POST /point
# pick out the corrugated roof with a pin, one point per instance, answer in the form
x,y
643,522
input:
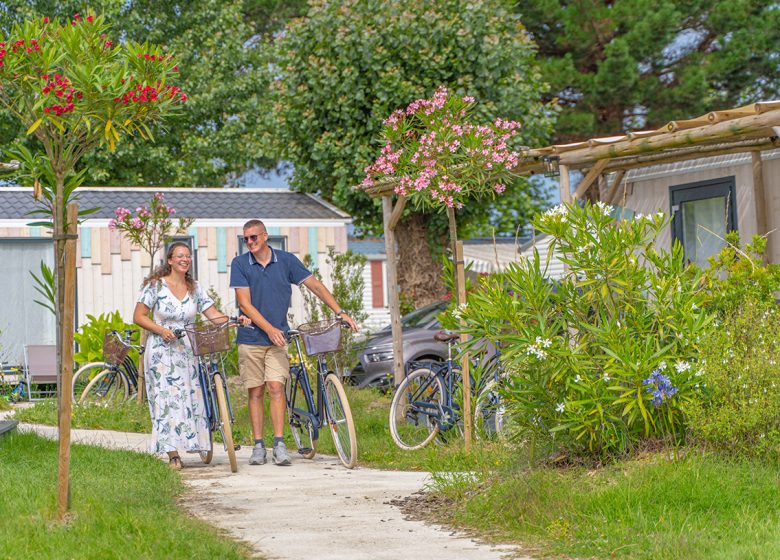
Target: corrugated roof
x,y
239,204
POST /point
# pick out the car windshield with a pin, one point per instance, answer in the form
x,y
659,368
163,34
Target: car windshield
x,y
423,315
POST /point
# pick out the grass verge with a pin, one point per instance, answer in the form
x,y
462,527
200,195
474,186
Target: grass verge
x,y
699,507
123,505
370,410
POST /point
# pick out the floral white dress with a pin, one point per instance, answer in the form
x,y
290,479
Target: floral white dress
x,y
175,397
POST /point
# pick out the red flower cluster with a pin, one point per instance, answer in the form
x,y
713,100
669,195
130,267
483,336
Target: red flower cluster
x,y
154,57
61,87
18,47
76,19
150,94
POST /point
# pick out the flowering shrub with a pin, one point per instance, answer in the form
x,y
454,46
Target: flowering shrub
x,y
740,409
439,157
606,355
69,78
738,275
151,226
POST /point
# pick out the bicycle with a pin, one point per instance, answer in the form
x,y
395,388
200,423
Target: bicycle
x,y
424,404
19,390
209,340
307,416
113,380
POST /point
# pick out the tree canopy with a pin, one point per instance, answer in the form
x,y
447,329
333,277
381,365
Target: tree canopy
x,y
627,64
215,140
344,67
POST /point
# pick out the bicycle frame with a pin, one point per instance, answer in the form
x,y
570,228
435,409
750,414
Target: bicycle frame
x,y
448,414
208,366
299,376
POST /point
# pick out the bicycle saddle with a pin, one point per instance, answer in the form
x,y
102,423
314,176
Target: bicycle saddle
x,y
446,336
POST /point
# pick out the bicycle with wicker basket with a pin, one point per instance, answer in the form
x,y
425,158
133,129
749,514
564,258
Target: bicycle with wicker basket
x,y
209,340
307,415
113,380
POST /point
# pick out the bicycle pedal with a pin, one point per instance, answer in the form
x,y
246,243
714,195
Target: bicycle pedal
x,y
304,450
237,447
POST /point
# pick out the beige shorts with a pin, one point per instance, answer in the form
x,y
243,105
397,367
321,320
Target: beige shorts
x,y
258,364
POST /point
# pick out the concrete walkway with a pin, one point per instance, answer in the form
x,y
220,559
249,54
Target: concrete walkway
x,y
314,509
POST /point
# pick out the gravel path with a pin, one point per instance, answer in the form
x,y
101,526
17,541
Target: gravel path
x,y
312,509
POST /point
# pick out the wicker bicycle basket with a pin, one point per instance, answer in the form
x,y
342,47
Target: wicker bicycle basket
x,y
209,337
114,351
320,337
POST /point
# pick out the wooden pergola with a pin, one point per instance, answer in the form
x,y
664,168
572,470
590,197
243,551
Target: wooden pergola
x,y
752,128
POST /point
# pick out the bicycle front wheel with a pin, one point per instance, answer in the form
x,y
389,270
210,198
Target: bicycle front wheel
x,y
108,388
342,427
300,424
226,426
83,376
415,409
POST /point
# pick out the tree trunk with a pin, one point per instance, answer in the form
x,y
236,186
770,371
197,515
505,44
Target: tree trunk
x,y
419,272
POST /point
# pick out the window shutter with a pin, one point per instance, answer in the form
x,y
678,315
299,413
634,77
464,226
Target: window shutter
x,y
377,285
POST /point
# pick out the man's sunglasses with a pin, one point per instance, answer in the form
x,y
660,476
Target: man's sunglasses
x,y
252,238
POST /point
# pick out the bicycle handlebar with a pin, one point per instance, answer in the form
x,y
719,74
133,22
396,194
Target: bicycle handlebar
x,y
291,333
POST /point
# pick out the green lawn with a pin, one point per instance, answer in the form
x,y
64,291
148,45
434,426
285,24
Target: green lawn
x,y
699,507
123,506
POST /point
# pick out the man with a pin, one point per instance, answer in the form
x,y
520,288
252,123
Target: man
x,y
262,279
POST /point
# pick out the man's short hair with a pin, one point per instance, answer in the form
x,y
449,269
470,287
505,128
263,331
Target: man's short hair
x,y
254,223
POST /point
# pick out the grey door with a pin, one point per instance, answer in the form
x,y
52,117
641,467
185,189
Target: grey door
x,y
22,321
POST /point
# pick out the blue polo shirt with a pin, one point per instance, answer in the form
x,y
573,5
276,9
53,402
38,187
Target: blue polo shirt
x,y
270,289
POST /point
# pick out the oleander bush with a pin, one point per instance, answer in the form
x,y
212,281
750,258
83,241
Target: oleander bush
x,y
606,356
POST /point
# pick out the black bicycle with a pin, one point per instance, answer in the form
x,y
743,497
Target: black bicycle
x,y
307,415
209,339
426,402
115,379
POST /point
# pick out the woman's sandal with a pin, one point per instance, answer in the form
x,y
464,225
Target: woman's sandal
x,y
175,463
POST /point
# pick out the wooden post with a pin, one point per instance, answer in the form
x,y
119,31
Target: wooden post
x,y
66,375
565,185
759,196
393,287
460,287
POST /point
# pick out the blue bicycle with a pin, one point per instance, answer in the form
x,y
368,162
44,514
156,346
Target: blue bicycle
x,y
426,401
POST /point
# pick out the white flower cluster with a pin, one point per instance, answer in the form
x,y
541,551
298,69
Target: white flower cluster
x,y
457,313
537,349
556,213
605,209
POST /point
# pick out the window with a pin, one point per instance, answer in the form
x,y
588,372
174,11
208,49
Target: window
x,y
274,241
190,241
703,213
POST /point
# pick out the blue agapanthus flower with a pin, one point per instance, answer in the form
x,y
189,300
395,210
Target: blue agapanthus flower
x,y
660,387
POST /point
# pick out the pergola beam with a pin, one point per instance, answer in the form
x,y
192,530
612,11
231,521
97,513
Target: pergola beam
x,y
590,177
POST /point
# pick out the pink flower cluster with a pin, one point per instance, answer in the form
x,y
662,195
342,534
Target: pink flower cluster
x,y
434,152
157,210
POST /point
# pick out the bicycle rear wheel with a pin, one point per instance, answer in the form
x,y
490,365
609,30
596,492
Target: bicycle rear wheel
x,y
339,417
489,412
109,387
225,424
300,424
415,409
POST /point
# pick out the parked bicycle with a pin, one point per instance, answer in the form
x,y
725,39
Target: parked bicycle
x,y
113,380
12,377
307,415
209,340
426,402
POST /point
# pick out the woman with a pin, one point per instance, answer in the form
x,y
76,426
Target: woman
x,y
172,385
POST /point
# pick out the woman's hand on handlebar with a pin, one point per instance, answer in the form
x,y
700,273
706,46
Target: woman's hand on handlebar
x,y
168,335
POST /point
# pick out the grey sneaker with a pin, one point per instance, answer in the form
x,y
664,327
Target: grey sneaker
x,y
281,456
258,455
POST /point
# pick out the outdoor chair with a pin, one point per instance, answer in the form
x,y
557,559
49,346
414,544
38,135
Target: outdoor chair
x,y
40,370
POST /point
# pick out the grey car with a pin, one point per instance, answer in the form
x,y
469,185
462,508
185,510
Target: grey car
x,y
375,367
